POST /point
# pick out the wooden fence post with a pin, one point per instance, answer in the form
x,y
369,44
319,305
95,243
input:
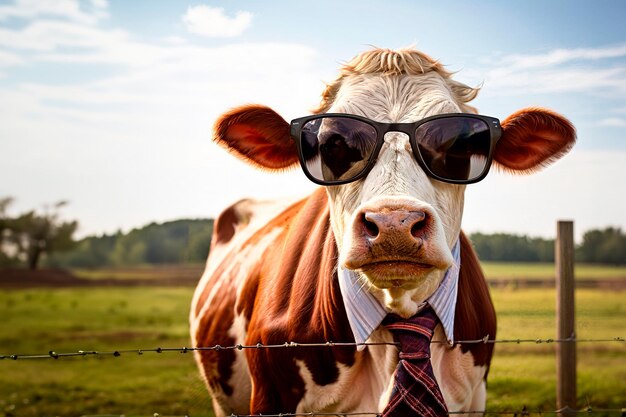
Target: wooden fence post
x,y
565,315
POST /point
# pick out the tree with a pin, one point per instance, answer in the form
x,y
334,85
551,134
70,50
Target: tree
x,y
606,246
4,219
5,222
200,241
35,234
503,247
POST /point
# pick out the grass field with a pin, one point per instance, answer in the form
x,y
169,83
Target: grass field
x,y
513,270
104,319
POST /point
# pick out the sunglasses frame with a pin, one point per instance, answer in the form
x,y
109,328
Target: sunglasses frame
x,y
495,132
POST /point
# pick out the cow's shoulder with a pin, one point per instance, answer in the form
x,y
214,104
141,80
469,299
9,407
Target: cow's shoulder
x,y
230,257
245,217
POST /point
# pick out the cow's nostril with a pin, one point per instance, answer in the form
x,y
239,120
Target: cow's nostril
x,y
418,226
370,228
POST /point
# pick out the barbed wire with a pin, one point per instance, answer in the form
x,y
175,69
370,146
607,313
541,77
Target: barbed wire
x,y
118,352
523,412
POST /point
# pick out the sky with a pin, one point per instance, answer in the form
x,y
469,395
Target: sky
x,y
109,105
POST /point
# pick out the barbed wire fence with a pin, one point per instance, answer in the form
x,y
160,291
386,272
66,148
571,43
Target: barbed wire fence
x,y
520,413
116,353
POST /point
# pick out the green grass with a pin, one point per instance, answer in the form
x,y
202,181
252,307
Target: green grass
x,y
68,320
40,320
514,270
524,374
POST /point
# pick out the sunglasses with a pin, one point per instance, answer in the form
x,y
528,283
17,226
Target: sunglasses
x,y
337,148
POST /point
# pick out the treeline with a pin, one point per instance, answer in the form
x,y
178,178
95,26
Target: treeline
x,y
176,242
503,247
188,241
606,246
42,236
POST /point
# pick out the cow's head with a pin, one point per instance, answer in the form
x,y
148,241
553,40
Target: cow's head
x,y
395,224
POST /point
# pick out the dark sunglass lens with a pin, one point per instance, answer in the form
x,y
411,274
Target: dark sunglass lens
x,y
455,148
336,148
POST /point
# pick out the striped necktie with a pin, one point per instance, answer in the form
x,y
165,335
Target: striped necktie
x,y
415,390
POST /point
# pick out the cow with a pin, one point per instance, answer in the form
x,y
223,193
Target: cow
x,y
393,144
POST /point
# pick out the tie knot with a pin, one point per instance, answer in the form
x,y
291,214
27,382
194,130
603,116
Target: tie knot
x,y
415,333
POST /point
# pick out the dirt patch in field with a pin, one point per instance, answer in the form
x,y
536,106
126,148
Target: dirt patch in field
x,y
59,278
613,284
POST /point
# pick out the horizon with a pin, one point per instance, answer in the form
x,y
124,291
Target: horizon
x,y
200,219
109,104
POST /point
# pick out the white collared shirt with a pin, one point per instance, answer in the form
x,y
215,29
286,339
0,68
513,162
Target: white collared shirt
x,y
365,313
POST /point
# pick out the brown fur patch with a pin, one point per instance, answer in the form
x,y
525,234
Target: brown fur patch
x,y
475,316
224,226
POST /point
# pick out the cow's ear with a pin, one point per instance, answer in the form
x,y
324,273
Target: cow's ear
x,y
533,138
258,135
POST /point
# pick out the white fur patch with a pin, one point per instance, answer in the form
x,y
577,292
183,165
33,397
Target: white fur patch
x,y
240,379
359,387
462,383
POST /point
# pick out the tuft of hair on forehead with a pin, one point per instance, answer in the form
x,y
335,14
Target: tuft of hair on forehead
x,y
389,62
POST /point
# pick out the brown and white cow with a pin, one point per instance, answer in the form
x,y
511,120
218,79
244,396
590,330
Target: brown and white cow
x,y
272,275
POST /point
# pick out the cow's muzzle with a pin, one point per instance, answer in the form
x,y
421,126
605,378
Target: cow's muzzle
x,y
396,243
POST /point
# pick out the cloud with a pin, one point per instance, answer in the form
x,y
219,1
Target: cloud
x,y
212,22
613,122
129,72
562,80
561,56
49,35
175,40
9,59
64,9
620,110
581,70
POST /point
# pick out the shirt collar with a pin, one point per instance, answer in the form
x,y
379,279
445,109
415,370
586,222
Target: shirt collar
x,y
365,313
